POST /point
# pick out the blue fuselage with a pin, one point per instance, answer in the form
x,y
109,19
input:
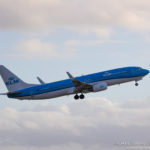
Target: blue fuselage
x,y
66,87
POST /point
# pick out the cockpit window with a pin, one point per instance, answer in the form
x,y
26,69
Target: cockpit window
x,y
139,68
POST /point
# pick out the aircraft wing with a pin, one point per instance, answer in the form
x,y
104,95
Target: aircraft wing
x,y
80,86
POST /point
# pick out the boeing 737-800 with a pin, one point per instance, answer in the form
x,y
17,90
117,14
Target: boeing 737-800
x,y
78,86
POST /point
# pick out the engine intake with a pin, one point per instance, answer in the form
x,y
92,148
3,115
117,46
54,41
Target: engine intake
x,y
100,87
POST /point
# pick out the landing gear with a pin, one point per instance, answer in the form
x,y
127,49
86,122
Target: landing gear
x,y
82,96
76,97
136,84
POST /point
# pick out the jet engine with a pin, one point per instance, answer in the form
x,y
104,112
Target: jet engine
x,y
100,87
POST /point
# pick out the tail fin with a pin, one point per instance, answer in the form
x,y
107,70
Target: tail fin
x,y
12,82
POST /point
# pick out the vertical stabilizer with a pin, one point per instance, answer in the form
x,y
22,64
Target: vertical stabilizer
x,y
12,82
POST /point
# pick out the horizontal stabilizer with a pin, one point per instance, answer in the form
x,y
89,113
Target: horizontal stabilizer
x,y
3,93
11,93
40,80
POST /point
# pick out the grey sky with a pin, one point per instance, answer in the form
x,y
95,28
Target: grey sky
x,y
46,38
94,123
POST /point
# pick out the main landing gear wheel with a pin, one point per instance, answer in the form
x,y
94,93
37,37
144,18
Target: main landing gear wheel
x,y
82,96
76,97
136,84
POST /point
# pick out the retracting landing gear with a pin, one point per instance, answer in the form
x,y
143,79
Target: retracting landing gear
x,y
82,96
76,97
136,84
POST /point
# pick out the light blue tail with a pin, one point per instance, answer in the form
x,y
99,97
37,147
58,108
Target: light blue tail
x,y
12,82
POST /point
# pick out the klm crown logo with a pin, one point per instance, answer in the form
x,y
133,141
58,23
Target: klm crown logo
x,y
11,81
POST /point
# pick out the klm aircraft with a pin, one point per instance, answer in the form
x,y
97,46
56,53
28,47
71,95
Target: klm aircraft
x,y
78,86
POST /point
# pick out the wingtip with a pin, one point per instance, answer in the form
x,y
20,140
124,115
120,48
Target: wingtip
x,y
70,76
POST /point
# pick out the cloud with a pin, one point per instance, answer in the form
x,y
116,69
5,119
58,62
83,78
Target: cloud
x,y
73,43
40,49
91,124
36,48
32,47
97,16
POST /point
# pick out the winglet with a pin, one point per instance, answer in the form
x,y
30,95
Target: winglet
x,y
40,80
70,76
80,86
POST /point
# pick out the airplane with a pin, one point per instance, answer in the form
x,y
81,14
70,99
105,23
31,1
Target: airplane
x,y
18,89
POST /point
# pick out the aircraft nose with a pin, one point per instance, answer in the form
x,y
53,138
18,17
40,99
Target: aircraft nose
x,y
146,71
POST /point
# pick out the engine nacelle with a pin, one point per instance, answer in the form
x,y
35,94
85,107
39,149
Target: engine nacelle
x,y
100,87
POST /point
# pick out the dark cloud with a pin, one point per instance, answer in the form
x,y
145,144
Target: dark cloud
x,y
94,123
95,17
